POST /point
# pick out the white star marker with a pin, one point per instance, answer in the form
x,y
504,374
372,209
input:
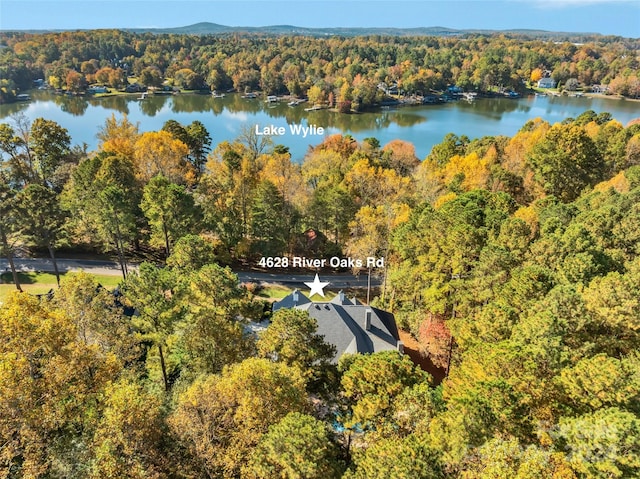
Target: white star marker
x,y
316,286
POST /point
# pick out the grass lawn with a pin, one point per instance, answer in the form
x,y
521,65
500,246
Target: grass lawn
x,y
276,291
38,283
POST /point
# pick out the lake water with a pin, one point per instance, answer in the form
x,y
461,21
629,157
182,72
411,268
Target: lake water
x,y
424,126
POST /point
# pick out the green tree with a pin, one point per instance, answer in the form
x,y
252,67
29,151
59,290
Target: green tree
x,y
50,144
150,76
17,158
197,139
401,458
220,206
170,210
267,220
502,388
566,161
500,458
602,444
602,381
188,79
211,335
451,145
177,131
192,252
298,447
331,210
42,219
152,291
199,145
103,197
37,152
292,338
372,383
9,224
613,301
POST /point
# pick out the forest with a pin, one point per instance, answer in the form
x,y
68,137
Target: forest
x,y
514,261
342,72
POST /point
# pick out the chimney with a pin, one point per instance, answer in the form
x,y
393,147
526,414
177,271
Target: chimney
x,y
367,320
341,296
400,346
296,297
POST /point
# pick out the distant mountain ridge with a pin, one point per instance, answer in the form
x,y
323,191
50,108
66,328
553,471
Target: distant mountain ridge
x,y
208,28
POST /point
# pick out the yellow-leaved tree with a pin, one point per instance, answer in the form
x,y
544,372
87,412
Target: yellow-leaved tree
x,y
50,379
118,136
158,152
221,418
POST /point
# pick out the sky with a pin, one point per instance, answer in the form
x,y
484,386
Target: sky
x,y
609,17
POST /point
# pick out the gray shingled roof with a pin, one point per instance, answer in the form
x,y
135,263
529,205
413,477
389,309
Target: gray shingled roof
x,y
342,323
292,300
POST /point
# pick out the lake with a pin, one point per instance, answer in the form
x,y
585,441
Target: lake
x,y
424,126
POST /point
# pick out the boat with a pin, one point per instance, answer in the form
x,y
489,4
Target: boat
x,y
272,99
23,97
469,96
142,97
215,94
295,102
250,95
313,108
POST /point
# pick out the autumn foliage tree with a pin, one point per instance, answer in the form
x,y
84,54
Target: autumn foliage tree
x,y
160,153
221,419
49,381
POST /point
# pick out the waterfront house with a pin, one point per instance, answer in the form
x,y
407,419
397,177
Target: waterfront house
x,y
98,89
349,325
547,83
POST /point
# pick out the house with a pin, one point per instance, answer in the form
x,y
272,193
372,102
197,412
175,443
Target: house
x,y
349,325
429,99
135,88
547,83
98,89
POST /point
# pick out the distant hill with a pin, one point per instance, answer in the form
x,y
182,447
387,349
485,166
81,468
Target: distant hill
x,y
206,28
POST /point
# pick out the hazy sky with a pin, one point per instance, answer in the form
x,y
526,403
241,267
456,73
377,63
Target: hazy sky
x,y
620,17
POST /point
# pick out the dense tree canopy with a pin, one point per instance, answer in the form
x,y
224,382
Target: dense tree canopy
x,y
513,262
348,72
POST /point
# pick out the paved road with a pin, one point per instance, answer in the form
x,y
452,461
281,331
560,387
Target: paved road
x,y
112,268
107,268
